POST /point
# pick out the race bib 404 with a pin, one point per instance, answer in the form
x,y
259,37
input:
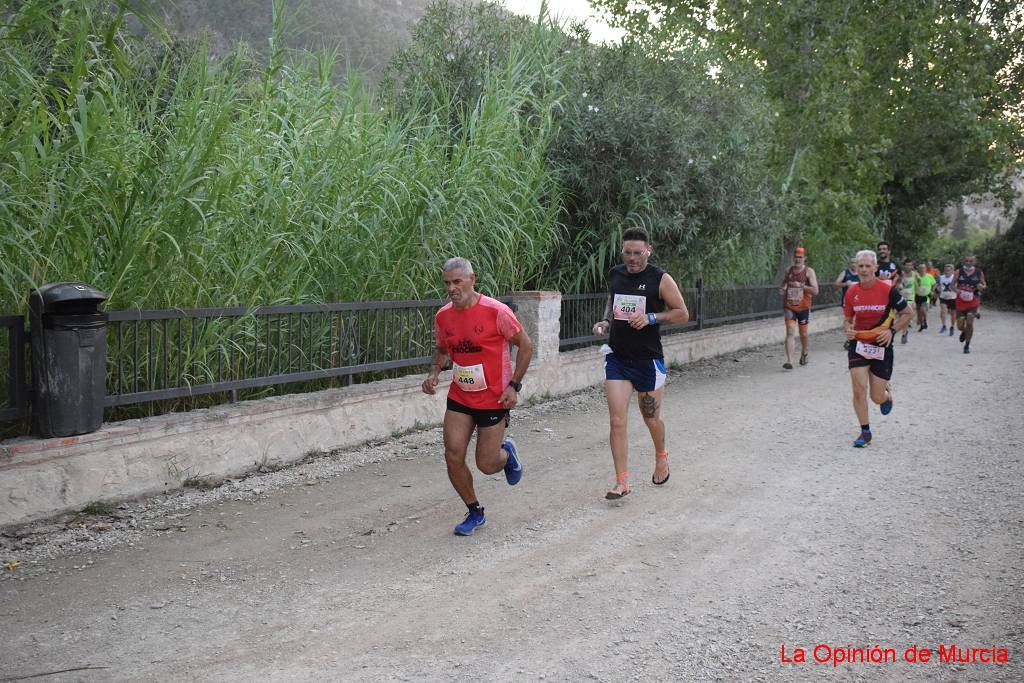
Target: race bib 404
x,y
625,306
470,377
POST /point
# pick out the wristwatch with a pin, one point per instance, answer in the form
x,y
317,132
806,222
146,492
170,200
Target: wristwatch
x,y
518,386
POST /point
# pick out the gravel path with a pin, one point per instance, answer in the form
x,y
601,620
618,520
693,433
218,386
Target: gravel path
x,y
772,532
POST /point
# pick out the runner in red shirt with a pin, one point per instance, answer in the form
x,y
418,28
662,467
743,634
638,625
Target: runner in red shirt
x,y
874,311
474,332
969,281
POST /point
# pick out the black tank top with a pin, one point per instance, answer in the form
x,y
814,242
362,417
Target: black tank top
x,y
626,342
886,270
969,282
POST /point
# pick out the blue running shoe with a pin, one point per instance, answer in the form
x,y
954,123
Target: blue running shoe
x,y
513,468
886,406
863,440
473,520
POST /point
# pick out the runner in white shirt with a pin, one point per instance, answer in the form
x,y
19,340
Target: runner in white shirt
x,y
946,287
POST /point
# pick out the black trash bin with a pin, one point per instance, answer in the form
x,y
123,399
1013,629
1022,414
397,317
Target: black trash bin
x,y
69,358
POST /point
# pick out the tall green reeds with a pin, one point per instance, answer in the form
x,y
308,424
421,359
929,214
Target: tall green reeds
x,y
169,180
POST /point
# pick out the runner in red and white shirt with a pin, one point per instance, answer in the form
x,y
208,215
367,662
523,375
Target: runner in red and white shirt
x,y
874,311
969,281
474,331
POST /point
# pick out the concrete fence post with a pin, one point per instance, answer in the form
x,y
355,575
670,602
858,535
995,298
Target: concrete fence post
x,y
540,312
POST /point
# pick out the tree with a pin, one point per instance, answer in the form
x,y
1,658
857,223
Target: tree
x,y
887,110
662,144
640,140
1003,260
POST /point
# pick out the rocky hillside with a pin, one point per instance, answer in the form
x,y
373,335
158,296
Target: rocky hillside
x,y
983,214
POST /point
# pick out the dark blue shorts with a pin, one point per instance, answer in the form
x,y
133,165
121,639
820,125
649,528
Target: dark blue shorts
x,y
801,317
645,375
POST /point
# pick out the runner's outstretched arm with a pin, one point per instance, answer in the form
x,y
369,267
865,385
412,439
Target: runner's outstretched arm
x,y
848,327
812,281
524,353
902,320
438,361
602,326
675,311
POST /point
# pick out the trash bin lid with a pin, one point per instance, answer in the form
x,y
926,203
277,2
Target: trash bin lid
x,y
60,292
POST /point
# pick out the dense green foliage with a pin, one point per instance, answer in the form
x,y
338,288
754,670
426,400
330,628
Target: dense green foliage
x,y
172,182
888,110
663,145
171,179
1002,258
640,141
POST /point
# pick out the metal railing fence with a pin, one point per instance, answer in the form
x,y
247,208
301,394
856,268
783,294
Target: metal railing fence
x,y
166,355
156,355
13,385
707,307
581,311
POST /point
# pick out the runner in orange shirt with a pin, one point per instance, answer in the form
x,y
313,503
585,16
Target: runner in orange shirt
x,y
798,286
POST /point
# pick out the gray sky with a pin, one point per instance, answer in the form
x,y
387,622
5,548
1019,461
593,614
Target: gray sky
x,y
566,10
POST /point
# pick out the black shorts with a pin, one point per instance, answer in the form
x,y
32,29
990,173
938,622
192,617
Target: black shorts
x,y
801,317
879,368
482,418
921,299
950,303
964,313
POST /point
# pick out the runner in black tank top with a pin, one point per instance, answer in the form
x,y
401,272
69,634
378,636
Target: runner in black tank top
x,y
886,269
641,297
626,342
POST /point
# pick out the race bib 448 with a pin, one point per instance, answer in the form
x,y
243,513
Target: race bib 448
x,y
470,377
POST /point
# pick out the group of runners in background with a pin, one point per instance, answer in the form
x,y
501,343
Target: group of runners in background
x,y
881,300
956,290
